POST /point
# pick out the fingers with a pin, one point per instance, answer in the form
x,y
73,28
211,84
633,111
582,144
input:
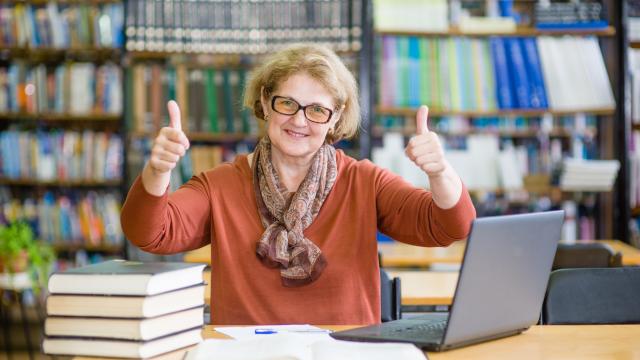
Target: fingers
x,y
174,135
175,120
419,145
421,120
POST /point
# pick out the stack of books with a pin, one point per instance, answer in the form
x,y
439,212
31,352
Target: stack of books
x,y
588,175
124,309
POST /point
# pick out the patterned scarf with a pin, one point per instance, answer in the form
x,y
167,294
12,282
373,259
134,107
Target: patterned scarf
x,y
285,215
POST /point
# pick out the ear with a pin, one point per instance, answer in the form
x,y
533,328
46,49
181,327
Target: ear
x,y
264,102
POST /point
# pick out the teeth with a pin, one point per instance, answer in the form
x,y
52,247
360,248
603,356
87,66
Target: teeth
x,y
293,133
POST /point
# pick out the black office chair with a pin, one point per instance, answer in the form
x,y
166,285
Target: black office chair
x,y
390,297
593,296
586,255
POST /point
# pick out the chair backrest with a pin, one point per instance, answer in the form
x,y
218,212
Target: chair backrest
x,y
593,296
586,255
390,297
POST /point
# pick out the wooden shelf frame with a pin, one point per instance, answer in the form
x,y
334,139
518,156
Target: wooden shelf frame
x,y
520,31
60,117
60,183
378,131
409,111
202,136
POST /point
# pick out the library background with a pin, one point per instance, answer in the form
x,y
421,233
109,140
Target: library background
x,y
536,102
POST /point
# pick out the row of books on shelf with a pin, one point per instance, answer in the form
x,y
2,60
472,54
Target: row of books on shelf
x,y
210,99
61,155
486,16
70,218
560,126
488,163
51,25
497,73
241,26
72,88
125,309
570,15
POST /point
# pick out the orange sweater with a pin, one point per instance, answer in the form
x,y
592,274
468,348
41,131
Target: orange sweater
x,y
219,207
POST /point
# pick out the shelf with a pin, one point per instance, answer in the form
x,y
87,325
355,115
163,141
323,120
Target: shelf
x,y
555,133
107,248
522,31
60,183
402,111
62,2
53,54
635,211
208,58
53,117
204,136
634,44
635,126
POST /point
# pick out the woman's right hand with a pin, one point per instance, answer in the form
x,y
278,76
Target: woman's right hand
x,y
168,147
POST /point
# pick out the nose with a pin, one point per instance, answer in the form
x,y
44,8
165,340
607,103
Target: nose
x,y
299,119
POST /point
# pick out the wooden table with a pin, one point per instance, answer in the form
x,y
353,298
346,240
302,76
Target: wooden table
x,y
600,342
420,287
402,255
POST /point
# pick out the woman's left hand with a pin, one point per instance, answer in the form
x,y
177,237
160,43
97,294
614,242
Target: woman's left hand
x,y
425,149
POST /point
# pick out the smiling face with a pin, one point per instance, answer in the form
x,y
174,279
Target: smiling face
x,y
293,136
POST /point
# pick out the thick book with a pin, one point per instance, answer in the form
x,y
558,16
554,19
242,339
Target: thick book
x,y
126,329
120,348
120,277
125,306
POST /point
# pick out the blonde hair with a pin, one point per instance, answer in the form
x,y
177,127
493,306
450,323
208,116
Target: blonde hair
x,y
324,66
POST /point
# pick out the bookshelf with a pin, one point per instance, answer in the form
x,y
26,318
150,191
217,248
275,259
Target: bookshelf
x,y
567,126
629,136
61,123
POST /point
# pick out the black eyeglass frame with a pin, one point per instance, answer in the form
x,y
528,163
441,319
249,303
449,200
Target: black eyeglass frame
x,y
304,108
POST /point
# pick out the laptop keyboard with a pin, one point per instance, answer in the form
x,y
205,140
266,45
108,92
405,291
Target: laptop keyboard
x,y
436,327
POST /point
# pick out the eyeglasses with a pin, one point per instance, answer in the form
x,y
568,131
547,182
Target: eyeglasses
x,y
313,112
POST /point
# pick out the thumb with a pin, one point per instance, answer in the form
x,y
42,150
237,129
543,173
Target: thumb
x,y
421,120
175,120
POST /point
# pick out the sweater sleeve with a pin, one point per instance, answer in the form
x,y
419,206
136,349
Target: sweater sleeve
x,y
410,215
168,224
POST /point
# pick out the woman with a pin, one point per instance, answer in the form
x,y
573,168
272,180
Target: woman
x,y
293,224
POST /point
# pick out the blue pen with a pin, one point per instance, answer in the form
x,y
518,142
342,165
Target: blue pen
x,y
265,331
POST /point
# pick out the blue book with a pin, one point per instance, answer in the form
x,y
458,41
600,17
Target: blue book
x,y
591,25
518,73
537,90
413,67
503,90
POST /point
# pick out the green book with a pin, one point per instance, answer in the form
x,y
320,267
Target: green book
x,y
244,112
212,100
128,98
228,100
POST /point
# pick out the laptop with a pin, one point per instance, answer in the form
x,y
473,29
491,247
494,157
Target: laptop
x,y
502,282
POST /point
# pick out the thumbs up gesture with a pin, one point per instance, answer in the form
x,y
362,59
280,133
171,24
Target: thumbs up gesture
x,y
170,145
425,149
